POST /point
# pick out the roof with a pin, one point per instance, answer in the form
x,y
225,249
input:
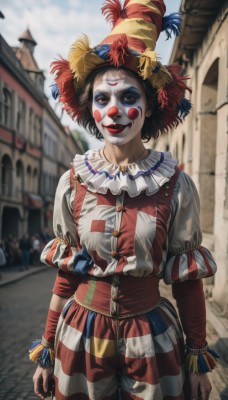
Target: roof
x,y
26,58
197,18
27,36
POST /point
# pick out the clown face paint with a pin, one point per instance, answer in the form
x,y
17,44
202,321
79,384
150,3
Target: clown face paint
x,y
118,107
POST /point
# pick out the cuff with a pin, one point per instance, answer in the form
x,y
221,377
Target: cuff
x,y
190,265
200,361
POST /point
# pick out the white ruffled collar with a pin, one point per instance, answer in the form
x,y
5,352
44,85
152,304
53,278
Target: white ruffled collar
x,y
148,175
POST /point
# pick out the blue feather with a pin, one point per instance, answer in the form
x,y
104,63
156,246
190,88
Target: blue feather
x,y
102,51
55,91
184,107
171,24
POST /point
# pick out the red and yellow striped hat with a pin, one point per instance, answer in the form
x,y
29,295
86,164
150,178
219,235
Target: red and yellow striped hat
x,y
131,44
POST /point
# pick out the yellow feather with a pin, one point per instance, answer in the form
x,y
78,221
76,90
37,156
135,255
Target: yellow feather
x,y
81,59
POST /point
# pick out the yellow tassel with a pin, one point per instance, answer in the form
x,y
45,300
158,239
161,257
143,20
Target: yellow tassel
x,y
147,62
81,59
161,78
35,353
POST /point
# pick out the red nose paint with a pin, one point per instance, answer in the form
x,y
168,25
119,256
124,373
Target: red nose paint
x,y
133,113
113,111
97,116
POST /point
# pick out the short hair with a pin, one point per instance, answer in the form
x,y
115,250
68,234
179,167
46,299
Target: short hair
x,y
151,124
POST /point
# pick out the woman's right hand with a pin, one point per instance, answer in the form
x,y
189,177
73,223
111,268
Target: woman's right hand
x,y
41,381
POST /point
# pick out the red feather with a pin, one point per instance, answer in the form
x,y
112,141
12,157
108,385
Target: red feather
x,y
170,96
173,93
111,10
64,80
118,51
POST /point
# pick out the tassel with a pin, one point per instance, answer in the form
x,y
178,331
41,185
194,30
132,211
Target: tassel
x,y
111,10
184,107
55,91
82,60
38,353
147,63
102,51
160,76
119,50
200,361
65,82
171,24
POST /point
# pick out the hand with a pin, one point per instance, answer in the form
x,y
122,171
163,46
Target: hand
x,y
200,386
41,381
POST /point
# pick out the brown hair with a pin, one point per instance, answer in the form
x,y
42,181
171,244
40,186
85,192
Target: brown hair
x,y
151,124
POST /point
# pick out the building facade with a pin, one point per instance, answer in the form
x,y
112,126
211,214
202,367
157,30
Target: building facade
x,y
201,142
34,148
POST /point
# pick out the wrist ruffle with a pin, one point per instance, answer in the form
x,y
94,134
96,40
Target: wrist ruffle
x,y
200,361
42,352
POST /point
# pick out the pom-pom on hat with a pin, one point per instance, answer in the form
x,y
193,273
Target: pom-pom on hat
x,y
131,44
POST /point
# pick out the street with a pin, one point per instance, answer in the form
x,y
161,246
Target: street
x,y
23,311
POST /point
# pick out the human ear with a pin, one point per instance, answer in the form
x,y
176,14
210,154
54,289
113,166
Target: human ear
x,y
148,112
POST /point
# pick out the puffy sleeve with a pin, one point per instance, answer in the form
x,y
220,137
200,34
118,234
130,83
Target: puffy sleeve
x,y
60,252
186,258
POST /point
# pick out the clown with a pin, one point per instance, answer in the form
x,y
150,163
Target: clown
x,y
125,217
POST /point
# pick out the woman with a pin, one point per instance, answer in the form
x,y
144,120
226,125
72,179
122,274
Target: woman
x,y
125,217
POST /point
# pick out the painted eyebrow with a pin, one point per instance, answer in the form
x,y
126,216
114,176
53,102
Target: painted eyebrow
x,y
100,92
131,89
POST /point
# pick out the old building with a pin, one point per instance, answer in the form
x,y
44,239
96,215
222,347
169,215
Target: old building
x,y
201,143
34,149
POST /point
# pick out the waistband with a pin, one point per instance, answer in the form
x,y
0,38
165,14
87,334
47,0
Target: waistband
x,y
118,296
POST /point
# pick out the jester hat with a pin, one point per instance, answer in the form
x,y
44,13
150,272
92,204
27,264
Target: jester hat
x,y
131,44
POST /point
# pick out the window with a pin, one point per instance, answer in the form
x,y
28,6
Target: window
x,y
21,117
7,108
31,117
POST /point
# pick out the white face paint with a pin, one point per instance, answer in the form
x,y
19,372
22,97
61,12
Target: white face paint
x,y
118,107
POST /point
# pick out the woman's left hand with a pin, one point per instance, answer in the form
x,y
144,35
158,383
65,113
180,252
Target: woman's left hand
x,y
200,386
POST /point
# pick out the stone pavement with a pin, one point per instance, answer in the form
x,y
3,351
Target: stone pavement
x,y
217,328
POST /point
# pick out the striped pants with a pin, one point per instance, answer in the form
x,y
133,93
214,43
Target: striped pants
x,y
102,358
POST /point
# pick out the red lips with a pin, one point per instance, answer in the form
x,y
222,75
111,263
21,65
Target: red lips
x,y
116,128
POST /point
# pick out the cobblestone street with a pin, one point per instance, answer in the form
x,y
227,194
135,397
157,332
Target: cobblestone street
x,y
22,316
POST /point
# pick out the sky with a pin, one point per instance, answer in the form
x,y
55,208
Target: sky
x,y
55,25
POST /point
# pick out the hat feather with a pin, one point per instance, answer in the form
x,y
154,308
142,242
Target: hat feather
x,y
184,107
119,50
171,24
173,93
66,88
76,56
111,10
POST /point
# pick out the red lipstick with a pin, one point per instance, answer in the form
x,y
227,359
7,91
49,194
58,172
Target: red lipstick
x,y
116,128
